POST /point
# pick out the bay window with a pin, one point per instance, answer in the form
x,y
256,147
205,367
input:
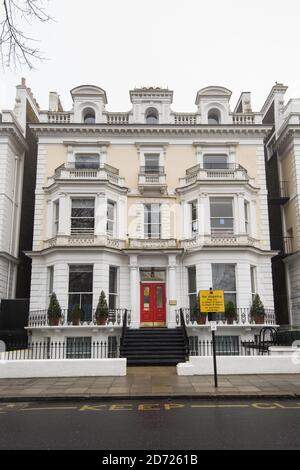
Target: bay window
x,y
82,216
111,218
194,218
81,290
192,287
246,211
223,278
113,287
55,218
221,215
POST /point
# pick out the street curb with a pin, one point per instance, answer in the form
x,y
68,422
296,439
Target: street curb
x,y
211,396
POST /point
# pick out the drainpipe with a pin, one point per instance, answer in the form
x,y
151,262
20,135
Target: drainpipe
x,y
12,223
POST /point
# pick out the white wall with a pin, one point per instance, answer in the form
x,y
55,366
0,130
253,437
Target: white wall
x,y
63,368
232,365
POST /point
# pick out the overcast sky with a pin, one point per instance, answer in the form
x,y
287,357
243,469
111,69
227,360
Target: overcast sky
x,y
184,45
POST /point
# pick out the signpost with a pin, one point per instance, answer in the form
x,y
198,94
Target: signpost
x,y
212,301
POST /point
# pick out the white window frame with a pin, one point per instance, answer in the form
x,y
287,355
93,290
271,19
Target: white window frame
x,y
191,293
146,233
193,231
228,150
247,216
87,155
115,294
235,277
151,150
253,281
56,209
84,231
228,232
215,154
114,221
50,282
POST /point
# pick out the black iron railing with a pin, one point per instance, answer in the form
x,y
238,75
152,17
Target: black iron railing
x,y
43,350
242,317
280,191
232,346
186,339
152,170
124,327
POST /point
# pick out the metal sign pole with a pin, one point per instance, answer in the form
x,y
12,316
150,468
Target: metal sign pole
x,y
215,358
212,302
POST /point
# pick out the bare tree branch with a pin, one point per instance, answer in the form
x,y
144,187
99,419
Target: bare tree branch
x,y
16,48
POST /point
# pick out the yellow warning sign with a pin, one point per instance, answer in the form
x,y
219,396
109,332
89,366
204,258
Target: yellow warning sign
x,y
211,301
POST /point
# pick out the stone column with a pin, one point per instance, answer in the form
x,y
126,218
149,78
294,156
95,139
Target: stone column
x,y
134,286
240,216
204,214
171,297
64,215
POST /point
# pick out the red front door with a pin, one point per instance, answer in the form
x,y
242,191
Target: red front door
x,y
153,304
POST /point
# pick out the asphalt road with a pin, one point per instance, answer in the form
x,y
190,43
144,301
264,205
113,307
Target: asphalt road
x,y
151,425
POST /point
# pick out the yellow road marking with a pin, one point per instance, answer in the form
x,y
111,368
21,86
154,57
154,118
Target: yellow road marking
x,y
50,408
286,407
92,408
220,406
121,407
173,406
149,407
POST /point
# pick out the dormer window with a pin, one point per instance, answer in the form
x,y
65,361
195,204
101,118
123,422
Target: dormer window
x,y
151,116
89,116
213,117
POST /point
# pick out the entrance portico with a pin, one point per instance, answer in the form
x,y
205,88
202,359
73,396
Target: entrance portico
x,y
153,297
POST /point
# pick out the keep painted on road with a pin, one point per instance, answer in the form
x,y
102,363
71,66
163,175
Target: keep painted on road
x,y
116,407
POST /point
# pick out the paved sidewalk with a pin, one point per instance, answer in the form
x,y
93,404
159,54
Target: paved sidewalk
x,y
150,382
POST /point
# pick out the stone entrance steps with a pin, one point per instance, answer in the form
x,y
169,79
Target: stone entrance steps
x,y
153,346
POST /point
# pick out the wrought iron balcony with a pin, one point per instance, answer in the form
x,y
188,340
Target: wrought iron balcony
x,y
242,318
40,319
226,171
73,171
153,178
279,194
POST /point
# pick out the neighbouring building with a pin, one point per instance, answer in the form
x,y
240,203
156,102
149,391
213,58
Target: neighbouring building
x,y
17,185
283,176
150,206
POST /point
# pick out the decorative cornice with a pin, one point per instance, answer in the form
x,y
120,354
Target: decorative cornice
x,y
11,130
148,130
286,135
74,143
92,183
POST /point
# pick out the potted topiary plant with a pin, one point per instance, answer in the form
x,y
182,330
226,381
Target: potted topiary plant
x,y
197,316
257,310
76,315
54,311
230,313
101,313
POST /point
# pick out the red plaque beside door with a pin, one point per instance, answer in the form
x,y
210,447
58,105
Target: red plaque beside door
x,y
153,304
